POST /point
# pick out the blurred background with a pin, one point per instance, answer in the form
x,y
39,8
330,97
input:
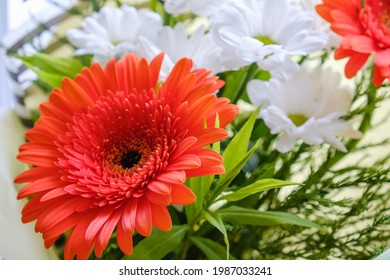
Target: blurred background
x,y
17,19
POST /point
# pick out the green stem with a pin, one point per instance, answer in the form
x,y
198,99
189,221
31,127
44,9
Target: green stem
x,y
249,74
167,18
186,246
187,241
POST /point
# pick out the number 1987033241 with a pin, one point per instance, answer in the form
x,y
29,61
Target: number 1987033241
x,y
239,270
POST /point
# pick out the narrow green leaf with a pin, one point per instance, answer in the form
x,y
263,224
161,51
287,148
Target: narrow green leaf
x,y
238,146
258,186
159,244
62,65
215,220
239,215
50,69
239,164
211,249
50,79
200,187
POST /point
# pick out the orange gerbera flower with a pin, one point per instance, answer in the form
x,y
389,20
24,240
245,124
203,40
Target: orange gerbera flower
x,y
113,148
365,30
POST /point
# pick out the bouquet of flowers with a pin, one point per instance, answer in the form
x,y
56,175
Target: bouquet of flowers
x,y
207,129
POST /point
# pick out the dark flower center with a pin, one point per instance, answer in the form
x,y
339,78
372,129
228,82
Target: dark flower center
x,y
130,159
125,155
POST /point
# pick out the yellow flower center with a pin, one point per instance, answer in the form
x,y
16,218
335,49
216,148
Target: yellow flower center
x,y
265,40
298,119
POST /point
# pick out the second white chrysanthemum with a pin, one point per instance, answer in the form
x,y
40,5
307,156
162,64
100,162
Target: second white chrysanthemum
x,y
176,43
113,32
309,107
267,32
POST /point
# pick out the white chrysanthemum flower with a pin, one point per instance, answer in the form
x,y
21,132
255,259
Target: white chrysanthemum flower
x,y
176,44
309,106
333,39
202,8
113,32
267,32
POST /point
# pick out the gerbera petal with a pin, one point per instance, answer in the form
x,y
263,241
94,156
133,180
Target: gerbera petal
x,y
174,176
158,198
160,217
210,135
226,113
183,146
105,233
143,222
363,44
181,194
97,223
56,230
54,193
178,73
157,186
63,210
185,162
75,94
382,58
39,157
155,66
377,76
354,64
129,216
40,184
125,239
76,244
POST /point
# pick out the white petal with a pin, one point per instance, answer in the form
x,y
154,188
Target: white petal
x,y
175,6
288,25
308,93
285,143
113,32
250,50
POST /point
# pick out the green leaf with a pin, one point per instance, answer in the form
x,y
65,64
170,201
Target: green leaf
x,y
238,146
215,220
51,69
239,164
61,65
258,186
211,249
53,80
159,244
200,187
235,155
239,215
